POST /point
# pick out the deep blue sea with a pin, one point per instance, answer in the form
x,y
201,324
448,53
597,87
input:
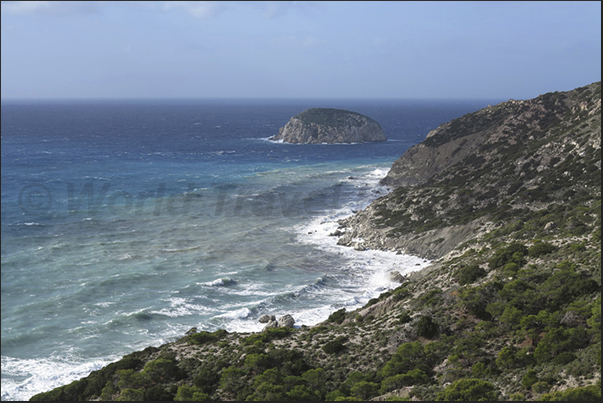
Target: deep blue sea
x,y
124,224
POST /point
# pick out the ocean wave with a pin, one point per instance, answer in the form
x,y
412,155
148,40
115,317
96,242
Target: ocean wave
x,y
23,378
221,282
242,313
181,307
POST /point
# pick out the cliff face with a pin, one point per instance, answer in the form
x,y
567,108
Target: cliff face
x,y
327,125
469,173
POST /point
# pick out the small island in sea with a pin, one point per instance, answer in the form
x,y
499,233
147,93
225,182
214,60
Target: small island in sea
x,y
330,126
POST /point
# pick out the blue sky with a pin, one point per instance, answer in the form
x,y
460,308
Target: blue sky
x,y
207,49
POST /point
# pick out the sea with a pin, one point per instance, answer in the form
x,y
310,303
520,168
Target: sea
x,y
126,223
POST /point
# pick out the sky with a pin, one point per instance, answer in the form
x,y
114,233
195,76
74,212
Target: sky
x,y
292,50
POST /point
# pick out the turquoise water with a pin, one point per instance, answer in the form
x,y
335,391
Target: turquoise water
x,y
126,224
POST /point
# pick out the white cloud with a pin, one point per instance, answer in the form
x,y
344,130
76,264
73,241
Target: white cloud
x,y
198,9
272,9
50,7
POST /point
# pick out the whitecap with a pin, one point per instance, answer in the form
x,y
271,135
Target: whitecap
x,y
23,378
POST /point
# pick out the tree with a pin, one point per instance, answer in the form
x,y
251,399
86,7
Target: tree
x,y
469,390
365,390
191,394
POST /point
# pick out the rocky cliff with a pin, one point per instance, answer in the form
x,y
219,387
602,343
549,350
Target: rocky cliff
x,y
327,125
471,173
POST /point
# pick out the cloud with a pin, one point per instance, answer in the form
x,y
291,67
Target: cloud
x,y
210,9
52,8
198,9
273,9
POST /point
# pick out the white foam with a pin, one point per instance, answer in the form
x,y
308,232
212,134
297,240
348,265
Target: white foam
x,y
219,282
31,376
180,307
236,314
370,269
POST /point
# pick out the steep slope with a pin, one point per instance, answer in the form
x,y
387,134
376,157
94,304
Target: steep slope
x,y
516,159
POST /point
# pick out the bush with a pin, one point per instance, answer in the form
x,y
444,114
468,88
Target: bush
x,y
529,379
469,274
412,377
131,395
514,252
162,370
232,380
469,390
335,346
191,394
541,387
337,316
404,317
426,327
365,390
206,337
590,393
267,336
409,356
541,248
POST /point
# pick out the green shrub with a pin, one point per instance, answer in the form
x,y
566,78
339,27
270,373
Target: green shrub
x,y
190,394
232,380
469,390
541,248
564,358
365,390
257,363
514,252
530,378
289,362
206,337
426,327
469,274
131,395
541,387
407,357
335,346
412,377
162,370
590,393
337,316
404,317
157,393
401,293
267,335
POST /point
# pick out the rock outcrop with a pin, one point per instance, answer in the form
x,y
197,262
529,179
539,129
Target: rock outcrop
x,y
471,173
485,134
331,126
272,322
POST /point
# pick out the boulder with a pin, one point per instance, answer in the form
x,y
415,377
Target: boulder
x,y
286,321
267,318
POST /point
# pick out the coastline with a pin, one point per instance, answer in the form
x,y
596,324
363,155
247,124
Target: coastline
x,y
374,266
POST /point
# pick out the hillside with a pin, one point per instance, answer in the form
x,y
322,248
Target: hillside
x,y
508,200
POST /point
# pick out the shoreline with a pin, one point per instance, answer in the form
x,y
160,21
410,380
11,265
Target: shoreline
x,y
374,264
